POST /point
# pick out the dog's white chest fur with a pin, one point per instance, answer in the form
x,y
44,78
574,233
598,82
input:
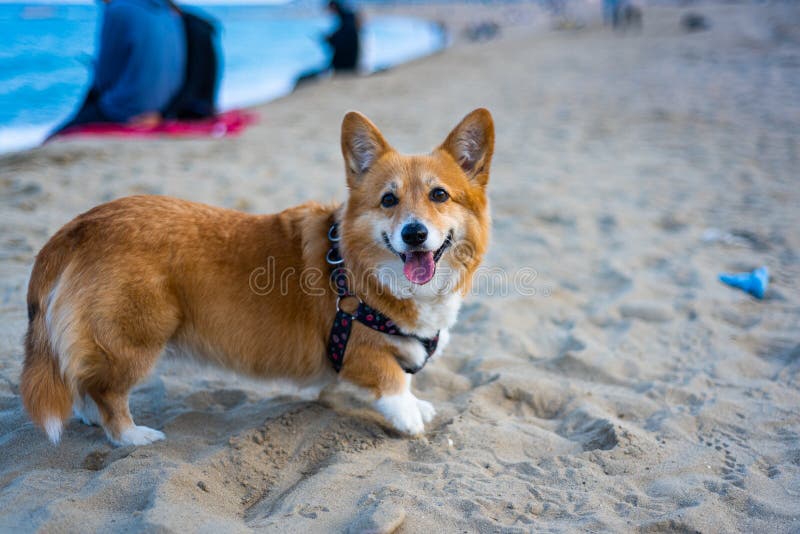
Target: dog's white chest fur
x,y
434,316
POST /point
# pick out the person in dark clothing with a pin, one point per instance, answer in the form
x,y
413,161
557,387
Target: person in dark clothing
x,y
197,97
345,39
140,64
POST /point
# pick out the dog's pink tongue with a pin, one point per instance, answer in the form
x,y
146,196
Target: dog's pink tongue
x,y
419,267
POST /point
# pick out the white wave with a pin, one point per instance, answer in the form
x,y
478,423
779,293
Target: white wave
x,y
410,39
16,138
238,96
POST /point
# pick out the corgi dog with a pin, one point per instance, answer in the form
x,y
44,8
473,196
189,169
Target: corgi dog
x,y
138,276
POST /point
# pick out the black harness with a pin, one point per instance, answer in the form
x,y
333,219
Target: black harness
x,y
364,314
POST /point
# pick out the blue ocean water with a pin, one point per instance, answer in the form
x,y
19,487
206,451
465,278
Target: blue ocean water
x,y
46,53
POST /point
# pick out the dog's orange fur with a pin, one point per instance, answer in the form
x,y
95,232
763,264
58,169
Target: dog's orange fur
x,y
121,282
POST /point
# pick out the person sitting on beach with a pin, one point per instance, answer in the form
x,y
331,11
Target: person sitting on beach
x,y
611,11
345,39
140,64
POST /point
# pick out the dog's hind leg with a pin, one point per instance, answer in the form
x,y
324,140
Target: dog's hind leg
x,y
85,409
107,381
118,423
128,332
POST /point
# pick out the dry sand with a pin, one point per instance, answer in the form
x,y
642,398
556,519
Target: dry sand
x,y
633,391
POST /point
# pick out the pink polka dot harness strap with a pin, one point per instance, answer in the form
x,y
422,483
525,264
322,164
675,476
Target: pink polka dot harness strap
x,y
364,314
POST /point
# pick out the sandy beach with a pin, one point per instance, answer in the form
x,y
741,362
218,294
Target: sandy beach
x,y
624,389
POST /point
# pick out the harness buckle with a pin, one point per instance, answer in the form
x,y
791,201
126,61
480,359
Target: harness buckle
x,y
339,304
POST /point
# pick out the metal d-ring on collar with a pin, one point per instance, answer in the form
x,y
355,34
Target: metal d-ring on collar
x,y
332,261
333,233
334,238
364,314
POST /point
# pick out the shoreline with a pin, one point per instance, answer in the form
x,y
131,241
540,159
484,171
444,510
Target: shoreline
x,y
463,17
505,19
237,93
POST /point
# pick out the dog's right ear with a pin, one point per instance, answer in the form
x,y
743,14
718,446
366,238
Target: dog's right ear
x,y
362,146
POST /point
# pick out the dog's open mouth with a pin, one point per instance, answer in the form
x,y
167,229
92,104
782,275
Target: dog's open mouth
x,y
419,266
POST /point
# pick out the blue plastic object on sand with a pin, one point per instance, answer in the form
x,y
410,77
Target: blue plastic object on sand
x,y
754,282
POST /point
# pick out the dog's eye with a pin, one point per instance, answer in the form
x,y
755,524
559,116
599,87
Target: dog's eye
x,y
388,200
439,195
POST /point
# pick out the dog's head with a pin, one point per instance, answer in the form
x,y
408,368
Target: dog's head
x,y
421,221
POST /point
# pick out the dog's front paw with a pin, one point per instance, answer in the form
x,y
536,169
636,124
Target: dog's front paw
x,y
444,340
405,412
426,410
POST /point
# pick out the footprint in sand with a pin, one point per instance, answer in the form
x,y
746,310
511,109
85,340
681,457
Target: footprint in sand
x,y
267,465
650,312
24,196
733,472
379,517
590,432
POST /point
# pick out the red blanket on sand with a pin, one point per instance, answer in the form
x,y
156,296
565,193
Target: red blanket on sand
x,y
226,124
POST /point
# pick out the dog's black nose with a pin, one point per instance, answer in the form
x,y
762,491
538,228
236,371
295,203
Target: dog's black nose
x,y
414,234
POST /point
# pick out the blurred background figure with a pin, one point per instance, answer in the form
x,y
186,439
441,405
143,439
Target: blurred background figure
x,y
140,64
631,18
345,39
611,9
622,15
197,97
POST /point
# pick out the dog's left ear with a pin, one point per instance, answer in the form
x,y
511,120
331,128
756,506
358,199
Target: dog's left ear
x,y
362,145
471,144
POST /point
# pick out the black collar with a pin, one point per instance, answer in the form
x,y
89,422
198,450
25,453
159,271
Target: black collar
x,y
364,314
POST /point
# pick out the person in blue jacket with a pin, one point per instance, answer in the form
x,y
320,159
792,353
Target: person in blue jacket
x,y
140,64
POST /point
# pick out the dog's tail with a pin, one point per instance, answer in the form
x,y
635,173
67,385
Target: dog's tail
x,y
46,395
